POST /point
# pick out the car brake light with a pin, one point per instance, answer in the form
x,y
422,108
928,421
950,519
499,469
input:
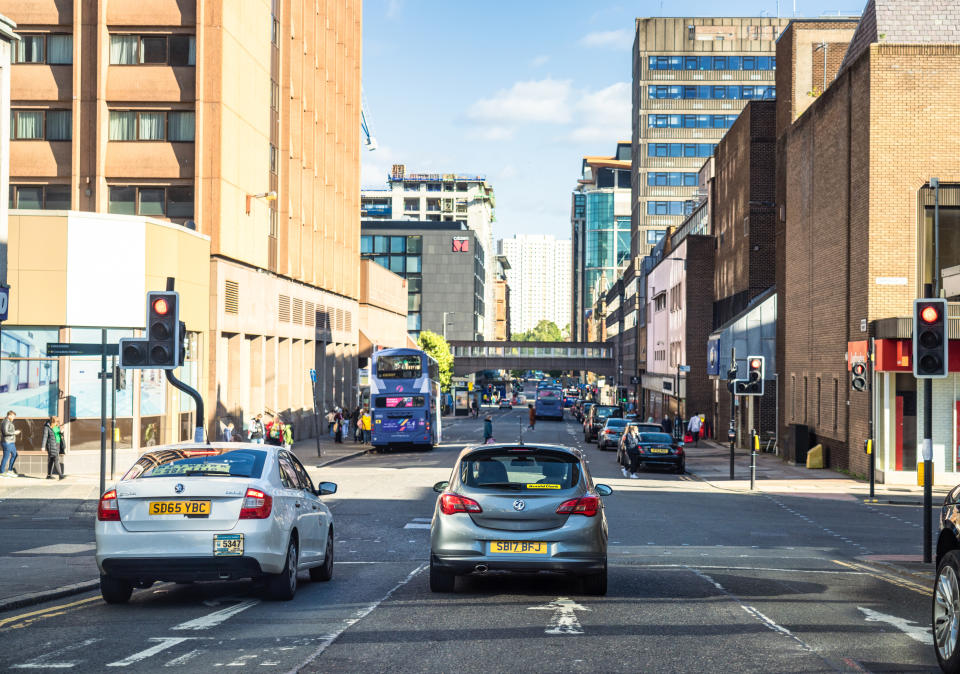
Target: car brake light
x,y
450,504
108,510
609,432
585,505
256,505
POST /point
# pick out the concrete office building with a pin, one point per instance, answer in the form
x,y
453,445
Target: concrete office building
x,y
440,197
445,270
691,78
241,125
539,280
600,228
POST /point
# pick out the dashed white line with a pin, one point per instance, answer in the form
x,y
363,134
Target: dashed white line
x,y
163,643
217,617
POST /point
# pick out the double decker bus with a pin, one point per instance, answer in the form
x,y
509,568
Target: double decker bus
x,y
405,399
549,402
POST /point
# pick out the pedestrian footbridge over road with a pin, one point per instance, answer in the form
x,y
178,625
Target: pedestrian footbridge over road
x,y
469,357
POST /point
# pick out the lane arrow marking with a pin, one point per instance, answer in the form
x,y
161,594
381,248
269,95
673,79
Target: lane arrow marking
x,y
564,619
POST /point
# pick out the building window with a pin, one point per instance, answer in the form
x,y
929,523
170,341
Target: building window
x,y
836,403
680,149
48,197
174,50
672,179
664,121
411,205
660,302
273,158
713,62
366,244
172,202
51,49
708,92
654,236
670,207
41,125
133,125
806,407
606,178
414,245
819,418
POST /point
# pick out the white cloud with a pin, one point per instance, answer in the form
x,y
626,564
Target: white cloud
x,y
609,39
493,132
604,115
544,100
539,60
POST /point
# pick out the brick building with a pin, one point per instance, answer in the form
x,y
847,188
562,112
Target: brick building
x,y
854,221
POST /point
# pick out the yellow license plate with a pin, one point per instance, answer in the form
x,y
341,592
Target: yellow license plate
x,y
660,450
179,507
518,547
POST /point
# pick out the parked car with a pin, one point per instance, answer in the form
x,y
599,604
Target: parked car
x,y
505,404
946,586
188,512
609,436
596,418
656,449
584,411
519,508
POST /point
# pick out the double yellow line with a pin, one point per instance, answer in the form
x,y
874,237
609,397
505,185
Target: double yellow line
x,y
25,619
887,577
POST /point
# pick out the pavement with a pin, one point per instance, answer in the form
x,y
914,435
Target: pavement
x,y
799,575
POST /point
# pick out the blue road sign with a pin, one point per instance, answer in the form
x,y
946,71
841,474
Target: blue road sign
x,y
4,303
313,376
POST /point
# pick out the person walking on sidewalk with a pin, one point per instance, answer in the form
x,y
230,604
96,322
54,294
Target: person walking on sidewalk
x,y
667,425
532,414
8,440
331,420
693,428
355,424
366,421
53,442
338,426
288,437
256,431
487,429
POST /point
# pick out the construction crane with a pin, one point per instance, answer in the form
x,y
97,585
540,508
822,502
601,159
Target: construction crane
x,y
368,139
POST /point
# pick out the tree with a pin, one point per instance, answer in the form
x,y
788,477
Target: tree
x,y
437,347
546,331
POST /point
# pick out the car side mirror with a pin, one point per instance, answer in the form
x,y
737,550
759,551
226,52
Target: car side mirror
x,y
603,489
326,488
440,487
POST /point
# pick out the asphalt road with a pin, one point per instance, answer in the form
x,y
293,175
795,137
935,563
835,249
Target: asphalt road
x,y
701,579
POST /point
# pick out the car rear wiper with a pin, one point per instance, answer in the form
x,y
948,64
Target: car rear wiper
x,y
214,472
501,485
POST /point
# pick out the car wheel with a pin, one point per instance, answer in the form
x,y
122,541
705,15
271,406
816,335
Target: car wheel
x,y
282,586
115,590
440,579
681,468
946,612
324,572
596,583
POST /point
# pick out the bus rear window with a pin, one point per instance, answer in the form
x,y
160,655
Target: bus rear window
x,y
546,393
391,402
399,367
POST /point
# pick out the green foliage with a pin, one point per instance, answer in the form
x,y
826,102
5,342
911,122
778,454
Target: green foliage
x,y
518,374
437,347
546,331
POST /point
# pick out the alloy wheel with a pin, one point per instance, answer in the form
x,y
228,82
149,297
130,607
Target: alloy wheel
x,y
946,612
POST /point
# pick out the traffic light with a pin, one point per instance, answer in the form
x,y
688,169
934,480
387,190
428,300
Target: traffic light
x,y
162,349
753,384
732,378
858,377
930,342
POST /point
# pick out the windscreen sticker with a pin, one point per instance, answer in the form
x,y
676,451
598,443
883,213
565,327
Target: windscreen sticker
x,y
543,486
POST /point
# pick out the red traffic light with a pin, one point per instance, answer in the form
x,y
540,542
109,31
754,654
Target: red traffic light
x,y
160,306
755,364
929,314
859,369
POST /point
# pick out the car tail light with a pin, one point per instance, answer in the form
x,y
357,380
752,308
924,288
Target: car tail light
x,y
678,449
450,504
256,505
609,432
108,510
585,505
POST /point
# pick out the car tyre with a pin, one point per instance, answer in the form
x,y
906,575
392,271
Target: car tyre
x,y
283,586
115,590
324,572
596,583
946,612
441,580
681,468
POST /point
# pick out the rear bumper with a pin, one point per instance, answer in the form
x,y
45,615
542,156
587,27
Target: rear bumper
x,y
181,569
669,460
462,565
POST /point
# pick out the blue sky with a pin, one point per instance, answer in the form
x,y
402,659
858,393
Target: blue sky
x,y
515,90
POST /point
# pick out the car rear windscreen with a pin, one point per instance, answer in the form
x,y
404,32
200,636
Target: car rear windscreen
x,y
213,461
606,410
663,438
616,423
520,470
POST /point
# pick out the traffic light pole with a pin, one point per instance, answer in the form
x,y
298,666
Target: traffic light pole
x,y
927,454
103,411
113,418
732,434
197,398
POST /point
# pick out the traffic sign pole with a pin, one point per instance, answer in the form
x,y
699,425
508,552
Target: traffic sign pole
x,y
732,433
103,411
316,409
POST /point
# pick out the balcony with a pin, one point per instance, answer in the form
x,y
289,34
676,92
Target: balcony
x,y
40,82
149,84
40,159
42,12
152,13
132,160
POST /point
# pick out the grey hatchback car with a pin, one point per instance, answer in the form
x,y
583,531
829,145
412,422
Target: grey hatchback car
x,y
519,508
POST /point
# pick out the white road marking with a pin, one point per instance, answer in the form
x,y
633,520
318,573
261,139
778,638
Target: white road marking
x,y
422,519
416,525
163,643
357,617
185,658
217,617
58,549
44,661
908,627
564,619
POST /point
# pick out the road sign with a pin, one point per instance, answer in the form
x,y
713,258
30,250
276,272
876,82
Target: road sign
x,y
313,376
4,303
684,368
80,349
634,380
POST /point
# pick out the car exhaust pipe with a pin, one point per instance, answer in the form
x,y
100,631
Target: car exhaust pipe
x,y
480,568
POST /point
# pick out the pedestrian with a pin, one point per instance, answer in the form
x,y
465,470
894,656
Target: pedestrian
x,y
475,407
8,440
331,420
338,425
226,432
366,421
275,432
288,437
532,413
667,425
487,429
255,432
355,424
693,428
52,441
631,442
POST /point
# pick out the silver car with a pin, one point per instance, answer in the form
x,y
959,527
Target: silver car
x,y
219,511
519,508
